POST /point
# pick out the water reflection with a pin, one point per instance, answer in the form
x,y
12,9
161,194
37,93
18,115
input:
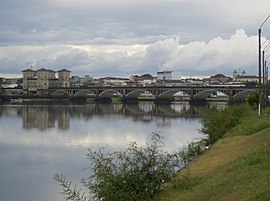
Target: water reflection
x,y
37,141
58,116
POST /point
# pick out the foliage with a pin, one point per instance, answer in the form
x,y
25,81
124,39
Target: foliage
x,y
252,122
193,149
253,98
132,174
235,168
219,122
251,84
19,83
69,192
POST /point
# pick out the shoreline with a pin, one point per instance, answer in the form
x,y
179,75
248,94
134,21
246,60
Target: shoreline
x,y
235,166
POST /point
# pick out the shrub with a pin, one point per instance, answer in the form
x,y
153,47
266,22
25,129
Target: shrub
x,y
253,98
132,174
193,149
219,122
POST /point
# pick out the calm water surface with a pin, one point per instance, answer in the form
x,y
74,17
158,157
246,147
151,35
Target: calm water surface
x,y
37,141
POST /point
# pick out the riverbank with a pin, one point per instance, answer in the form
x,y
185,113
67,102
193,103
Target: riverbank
x,y
236,167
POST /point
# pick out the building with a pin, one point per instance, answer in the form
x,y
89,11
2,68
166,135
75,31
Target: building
x,y
38,82
171,83
10,82
246,78
143,80
242,78
164,75
193,82
219,79
78,81
63,78
114,82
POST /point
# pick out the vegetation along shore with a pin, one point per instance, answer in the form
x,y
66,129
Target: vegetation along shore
x,y
236,167
231,163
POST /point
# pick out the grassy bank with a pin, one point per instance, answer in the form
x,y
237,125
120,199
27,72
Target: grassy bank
x,y
236,167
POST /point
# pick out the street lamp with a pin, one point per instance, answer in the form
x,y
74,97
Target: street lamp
x,y
260,60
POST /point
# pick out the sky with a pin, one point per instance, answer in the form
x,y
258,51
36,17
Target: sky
x,y
128,37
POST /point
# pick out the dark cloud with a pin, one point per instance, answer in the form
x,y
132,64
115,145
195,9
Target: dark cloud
x,y
187,36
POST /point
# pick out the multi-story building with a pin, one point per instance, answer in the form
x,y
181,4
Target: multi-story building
x,y
78,81
237,77
39,81
219,79
164,75
143,80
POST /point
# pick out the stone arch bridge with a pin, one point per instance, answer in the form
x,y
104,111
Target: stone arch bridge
x,y
235,93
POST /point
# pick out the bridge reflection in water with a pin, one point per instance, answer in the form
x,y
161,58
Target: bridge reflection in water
x,y
58,115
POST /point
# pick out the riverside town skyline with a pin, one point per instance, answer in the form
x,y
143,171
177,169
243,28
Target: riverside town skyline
x,y
237,77
49,84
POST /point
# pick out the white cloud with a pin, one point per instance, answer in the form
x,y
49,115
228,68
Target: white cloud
x,y
219,55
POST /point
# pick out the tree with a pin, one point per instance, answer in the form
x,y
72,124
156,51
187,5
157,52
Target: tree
x,y
19,83
217,123
133,174
253,98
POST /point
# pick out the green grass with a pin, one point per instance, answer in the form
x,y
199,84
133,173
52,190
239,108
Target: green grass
x,y
252,123
236,167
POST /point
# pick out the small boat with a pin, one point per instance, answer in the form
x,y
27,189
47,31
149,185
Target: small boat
x,y
16,100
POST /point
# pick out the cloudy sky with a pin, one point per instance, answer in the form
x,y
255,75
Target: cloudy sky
x,y
125,37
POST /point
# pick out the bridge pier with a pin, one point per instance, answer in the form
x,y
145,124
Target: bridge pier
x,y
192,94
231,94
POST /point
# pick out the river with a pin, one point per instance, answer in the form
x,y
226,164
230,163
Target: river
x,y
41,139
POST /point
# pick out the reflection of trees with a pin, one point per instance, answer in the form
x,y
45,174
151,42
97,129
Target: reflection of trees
x,y
51,116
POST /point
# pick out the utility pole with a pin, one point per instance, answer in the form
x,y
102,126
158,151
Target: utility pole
x,y
260,60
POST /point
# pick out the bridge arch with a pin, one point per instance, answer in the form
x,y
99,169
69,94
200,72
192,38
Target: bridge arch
x,y
60,94
84,93
202,95
136,93
242,95
168,94
109,93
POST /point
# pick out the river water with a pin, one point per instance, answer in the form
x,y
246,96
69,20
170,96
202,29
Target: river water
x,y
40,140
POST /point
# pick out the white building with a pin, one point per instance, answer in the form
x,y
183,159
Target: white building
x,y
164,75
237,77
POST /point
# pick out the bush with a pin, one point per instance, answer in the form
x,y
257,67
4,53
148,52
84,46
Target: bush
x,y
219,122
133,174
253,98
193,149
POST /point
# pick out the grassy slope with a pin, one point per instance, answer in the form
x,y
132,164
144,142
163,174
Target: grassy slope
x,y
236,167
